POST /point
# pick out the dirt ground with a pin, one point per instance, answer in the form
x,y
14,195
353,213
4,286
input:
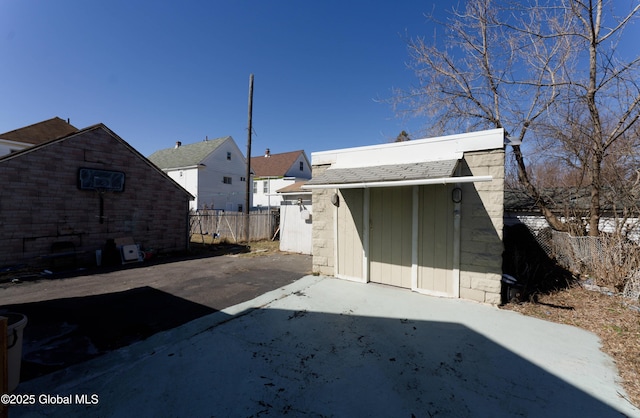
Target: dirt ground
x,y
77,315
614,319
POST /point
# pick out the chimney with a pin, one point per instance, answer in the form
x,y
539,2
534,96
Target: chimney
x,y
178,143
267,153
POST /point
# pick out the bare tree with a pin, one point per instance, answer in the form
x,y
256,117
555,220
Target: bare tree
x,y
547,71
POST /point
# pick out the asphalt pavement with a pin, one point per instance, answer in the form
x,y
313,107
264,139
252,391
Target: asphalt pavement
x,y
77,315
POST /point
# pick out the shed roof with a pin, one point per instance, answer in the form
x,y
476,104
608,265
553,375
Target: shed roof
x,y
375,175
408,163
186,155
295,188
40,132
274,165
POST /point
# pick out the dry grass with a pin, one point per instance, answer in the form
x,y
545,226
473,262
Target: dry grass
x,y
607,316
259,248
256,248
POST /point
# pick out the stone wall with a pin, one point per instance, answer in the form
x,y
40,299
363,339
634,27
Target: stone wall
x,y
481,223
322,230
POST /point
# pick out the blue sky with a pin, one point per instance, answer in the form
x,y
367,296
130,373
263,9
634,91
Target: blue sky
x,y
163,71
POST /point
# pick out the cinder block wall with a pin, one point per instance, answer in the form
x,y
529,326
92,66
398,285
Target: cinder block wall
x,y
481,224
40,202
322,228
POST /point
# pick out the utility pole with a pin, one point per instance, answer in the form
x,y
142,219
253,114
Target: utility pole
x,y
249,183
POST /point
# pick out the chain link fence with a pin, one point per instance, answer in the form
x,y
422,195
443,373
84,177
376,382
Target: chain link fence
x,y
609,260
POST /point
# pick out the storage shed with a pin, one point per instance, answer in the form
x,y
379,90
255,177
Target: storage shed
x,y
426,215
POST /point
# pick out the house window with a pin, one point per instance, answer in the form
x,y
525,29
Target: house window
x,y
226,180
265,187
229,156
255,187
301,166
243,179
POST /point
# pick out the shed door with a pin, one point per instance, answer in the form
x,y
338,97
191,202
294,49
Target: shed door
x,y
435,240
390,232
349,224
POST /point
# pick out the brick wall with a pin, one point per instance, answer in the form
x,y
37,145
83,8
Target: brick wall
x,y
40,203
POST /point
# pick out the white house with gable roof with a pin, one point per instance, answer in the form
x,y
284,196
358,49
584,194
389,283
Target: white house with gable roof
x,y
213,170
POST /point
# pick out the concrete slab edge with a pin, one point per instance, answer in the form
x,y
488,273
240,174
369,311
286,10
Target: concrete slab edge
x,y
159,342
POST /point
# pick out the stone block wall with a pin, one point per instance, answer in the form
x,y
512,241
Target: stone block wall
x,y
322,229
482,212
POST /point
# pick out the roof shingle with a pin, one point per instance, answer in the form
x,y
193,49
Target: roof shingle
x,y
395,172
41,132
275,165
186,155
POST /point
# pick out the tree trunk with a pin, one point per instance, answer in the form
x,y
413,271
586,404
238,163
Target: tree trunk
x,y
594,207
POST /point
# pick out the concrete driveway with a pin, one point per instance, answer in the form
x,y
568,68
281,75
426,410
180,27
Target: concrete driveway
x,y
326,347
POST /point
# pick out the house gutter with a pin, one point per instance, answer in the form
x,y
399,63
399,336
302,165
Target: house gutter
x,y
188,167
399,183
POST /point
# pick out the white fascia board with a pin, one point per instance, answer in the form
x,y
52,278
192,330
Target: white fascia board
x,y
420,150
189,167
418,182
290,193
9,142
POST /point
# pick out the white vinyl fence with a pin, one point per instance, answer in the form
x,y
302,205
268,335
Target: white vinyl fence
x,y
295,227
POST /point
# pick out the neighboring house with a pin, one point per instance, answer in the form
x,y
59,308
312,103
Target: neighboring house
x,y
295,218
213,170
425,214
275,171
572,204
35,134
76,192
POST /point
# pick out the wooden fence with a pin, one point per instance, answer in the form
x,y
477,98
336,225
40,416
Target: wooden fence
x,y
230,226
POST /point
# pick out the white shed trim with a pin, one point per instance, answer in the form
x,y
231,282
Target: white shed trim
x,y
418,182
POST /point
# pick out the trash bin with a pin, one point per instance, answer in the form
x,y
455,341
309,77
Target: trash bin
x,y
15,325
511,290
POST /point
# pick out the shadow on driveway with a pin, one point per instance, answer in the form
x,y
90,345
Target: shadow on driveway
x,y
63,332
275,362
